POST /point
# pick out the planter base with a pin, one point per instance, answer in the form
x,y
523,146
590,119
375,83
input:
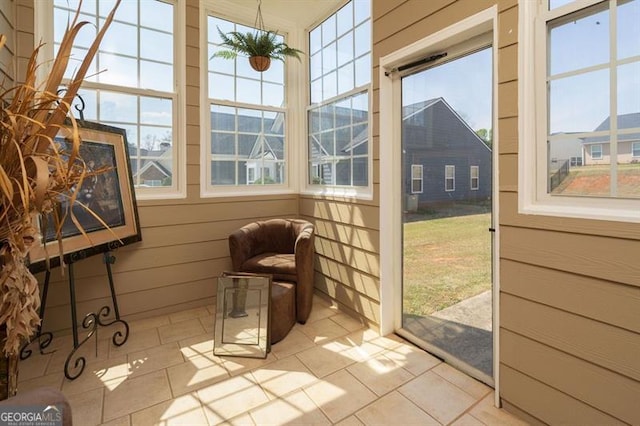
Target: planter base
x,y
260,63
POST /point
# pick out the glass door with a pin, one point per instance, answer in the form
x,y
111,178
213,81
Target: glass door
x,y
447,210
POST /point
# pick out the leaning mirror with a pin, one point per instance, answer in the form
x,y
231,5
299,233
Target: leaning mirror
x,y
242,315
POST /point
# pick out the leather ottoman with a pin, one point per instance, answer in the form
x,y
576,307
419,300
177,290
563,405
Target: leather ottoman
x,y
283,309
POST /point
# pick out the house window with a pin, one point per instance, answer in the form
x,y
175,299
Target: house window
x,y
338,116
416,179
635,149
474,172
247,121
596,152
580,71
132,82
449,178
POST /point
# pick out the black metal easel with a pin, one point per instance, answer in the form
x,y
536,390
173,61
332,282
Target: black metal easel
x,y
91,321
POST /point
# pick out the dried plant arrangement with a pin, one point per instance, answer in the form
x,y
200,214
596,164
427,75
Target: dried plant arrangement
x,y
36,172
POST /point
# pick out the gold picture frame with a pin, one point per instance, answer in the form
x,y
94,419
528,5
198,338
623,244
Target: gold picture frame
x,y
110,195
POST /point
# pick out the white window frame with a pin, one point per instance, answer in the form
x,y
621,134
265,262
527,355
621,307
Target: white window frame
x,y
292,96
44,30
532,97
352,192
593,151
635,148
451,178
419,168
476,177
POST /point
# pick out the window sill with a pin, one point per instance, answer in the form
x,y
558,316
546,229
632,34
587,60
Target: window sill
x,y
347,192
243,191
616,210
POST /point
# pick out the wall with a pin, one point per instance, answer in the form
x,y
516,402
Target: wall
x,y
570,289
570,294
184,242
7,53
16,22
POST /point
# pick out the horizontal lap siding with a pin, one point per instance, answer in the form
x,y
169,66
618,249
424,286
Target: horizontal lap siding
x,y
347,261
570,293
184,242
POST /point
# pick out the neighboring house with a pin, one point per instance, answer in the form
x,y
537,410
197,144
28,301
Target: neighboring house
x,y
444,159
563,150
260,153
154,167
596,150
334,154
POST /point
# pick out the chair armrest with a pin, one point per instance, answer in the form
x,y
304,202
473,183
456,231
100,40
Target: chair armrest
x,y
305,262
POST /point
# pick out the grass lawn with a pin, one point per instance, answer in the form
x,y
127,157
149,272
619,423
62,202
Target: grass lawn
x,y
446,260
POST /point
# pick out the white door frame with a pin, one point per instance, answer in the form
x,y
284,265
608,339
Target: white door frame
x,y
390,167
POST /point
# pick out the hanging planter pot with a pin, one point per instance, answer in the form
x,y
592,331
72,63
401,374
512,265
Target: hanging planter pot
x,y
260,45
260,63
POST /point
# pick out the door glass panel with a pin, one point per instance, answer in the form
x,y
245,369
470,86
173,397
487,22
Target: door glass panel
x,y
447,246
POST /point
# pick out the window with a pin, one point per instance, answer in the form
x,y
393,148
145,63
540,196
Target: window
x,y
474,172
449,178
416,178
582,72
635,149
247,119
132,82
338,117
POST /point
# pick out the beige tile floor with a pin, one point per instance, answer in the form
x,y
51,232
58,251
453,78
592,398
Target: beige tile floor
x,y
331,370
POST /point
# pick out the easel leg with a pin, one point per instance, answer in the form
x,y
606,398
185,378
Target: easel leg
x,y
44,339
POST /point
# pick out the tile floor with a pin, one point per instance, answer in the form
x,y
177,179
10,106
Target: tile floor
x,y
331,370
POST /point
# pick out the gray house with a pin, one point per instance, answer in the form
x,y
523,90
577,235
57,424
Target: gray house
x,y
444,160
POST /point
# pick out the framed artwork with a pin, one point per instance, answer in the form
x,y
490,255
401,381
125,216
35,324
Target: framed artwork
x,y
243,315
110,195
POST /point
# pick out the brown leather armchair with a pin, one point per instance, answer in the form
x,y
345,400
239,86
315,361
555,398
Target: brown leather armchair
x,y
280,247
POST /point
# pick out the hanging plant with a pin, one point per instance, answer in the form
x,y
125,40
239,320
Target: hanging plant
x,y
259,46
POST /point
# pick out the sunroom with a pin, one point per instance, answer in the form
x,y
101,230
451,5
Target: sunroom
x,y
462,273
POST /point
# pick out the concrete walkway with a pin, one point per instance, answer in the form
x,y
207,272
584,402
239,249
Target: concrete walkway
x,y
462,330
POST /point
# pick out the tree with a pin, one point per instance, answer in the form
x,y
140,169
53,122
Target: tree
x,y
486,135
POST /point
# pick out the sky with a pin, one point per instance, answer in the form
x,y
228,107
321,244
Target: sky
x,y
465,83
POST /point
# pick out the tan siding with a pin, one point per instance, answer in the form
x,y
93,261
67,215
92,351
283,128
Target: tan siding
x,y
345,297
597,298
508,134
360,282
593,385
508,173
509,216
601,257
570,293
508,95
604,345
507,28
550,405
508,63
8,52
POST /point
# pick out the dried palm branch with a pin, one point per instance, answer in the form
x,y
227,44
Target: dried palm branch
x,y
36,173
